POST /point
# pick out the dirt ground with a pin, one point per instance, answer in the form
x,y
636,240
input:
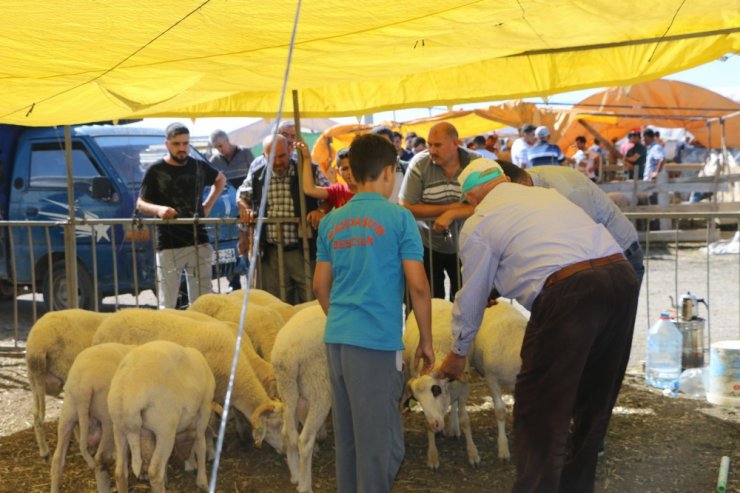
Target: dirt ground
x,y
655,443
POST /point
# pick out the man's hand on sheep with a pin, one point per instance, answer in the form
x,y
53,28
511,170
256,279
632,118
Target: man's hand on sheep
x,y
453,366
425,352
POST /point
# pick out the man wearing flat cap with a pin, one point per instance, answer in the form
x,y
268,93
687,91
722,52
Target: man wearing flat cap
x,y
534,245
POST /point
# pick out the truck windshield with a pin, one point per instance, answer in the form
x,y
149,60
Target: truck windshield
x,y
132,154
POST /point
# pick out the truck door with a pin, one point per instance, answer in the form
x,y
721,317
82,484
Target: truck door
x,y
40,194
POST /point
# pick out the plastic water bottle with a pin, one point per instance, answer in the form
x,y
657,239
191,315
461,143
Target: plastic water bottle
x,y
664,343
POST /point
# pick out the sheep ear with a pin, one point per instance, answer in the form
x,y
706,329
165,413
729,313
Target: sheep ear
x,y
259,433
406,397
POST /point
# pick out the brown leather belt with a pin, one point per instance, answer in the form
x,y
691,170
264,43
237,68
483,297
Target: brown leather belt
x,y
571,269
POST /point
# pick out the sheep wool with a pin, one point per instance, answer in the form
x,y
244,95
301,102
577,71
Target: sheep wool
x,y
53,343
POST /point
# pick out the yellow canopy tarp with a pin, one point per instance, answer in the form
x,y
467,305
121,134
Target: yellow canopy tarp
x,y
80,61
660,103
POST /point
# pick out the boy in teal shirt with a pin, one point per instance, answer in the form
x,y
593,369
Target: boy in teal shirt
x,y
366,250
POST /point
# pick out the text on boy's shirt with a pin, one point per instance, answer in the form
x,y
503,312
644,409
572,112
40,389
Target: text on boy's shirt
x,y
356,222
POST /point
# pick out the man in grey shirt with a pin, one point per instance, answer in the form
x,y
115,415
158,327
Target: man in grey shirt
x,y
577,188
430,190
232,160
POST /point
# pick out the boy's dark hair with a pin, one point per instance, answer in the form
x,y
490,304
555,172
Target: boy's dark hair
x,y
419,141
382,130
581,138
368,155
397,135
175,129
514,172
479,140
343,153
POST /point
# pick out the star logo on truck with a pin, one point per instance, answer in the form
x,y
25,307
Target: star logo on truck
x,y
81,230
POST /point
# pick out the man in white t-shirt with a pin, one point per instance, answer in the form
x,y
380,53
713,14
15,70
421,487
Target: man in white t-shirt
x,y
520,146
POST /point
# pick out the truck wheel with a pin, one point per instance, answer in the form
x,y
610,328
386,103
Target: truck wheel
x,y
59,288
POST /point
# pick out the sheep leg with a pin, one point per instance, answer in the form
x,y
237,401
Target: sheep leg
x,y
293,410
473,457
38,391
67,421
290,439
121,459
83,417
316,417
200,446
165,442
452,423
432,453
102,456
500,410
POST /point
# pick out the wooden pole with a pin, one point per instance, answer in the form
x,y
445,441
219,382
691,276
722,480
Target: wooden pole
x,y
303,225
70,241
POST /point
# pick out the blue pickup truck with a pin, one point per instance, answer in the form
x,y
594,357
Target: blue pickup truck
x,y
108,165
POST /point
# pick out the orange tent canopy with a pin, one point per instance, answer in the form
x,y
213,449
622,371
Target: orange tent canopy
x,y
660,103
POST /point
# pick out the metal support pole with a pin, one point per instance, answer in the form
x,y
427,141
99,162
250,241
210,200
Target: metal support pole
x,y
302,225
70,242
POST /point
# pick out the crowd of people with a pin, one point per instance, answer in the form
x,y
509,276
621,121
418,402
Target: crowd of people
x,y
439,219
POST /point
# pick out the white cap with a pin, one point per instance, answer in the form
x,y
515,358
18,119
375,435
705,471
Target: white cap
x,y
542,133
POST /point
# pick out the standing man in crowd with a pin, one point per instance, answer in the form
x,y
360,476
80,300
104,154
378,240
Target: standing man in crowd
x,y
283,198
172,188
655,159
634,156
575,187
480,147
403,153
543,152
420,144
430,189
520,145
537,247
233,161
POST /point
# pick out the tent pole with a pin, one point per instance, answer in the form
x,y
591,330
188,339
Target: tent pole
x,y
70,244
303,225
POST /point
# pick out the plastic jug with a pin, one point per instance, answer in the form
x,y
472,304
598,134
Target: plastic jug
x,y
664,345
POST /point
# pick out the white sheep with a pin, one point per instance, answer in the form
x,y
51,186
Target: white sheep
x,y
264,298
249,397
52,345
167,389
302,306
302,372
86,404
495,354
436,395
262,368
261,323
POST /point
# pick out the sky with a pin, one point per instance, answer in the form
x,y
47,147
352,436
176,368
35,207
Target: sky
x,y
722,76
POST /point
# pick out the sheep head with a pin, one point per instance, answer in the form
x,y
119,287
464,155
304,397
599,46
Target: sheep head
x,y
267,424
433,395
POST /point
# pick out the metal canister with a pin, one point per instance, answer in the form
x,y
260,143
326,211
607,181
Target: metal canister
x,y
688,306
692,354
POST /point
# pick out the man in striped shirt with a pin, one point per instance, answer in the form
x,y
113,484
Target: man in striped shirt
x,y
430,190
543,152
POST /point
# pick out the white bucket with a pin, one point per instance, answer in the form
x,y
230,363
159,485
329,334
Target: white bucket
x,y
724,374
